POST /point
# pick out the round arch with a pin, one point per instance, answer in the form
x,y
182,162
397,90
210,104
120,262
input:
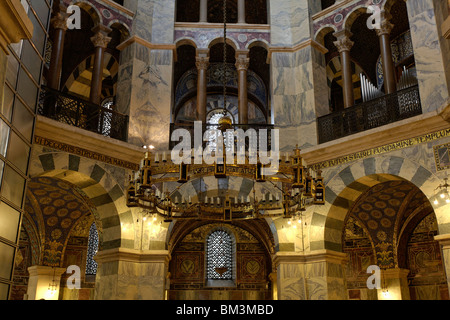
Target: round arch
x,y
100,186
322,32
264,230
351,17
78,81
186,41
258,43
90,10
123,29
230,41
344,188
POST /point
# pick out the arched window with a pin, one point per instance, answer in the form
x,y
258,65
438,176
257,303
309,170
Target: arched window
x,y
213,119
91,265
219,256
106,118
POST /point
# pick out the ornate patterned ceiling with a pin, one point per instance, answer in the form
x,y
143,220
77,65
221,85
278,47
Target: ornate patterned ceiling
x,y
54,207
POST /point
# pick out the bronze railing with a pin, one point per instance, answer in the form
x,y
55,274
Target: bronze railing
x,y
371,114
83,114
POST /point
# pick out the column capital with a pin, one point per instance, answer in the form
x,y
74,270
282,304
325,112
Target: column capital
x,y
242,63
100,38
59,21
201,62
385,27
343,42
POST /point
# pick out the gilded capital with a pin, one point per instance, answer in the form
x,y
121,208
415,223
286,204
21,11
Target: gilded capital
x,y
385,27
101,40
59,21
344,44
242,64
202,63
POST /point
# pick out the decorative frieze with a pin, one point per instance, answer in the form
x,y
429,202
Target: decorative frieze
x,y
383,149
85,153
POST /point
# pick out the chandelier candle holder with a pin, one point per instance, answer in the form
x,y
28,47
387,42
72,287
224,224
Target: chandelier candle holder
x,y
297,187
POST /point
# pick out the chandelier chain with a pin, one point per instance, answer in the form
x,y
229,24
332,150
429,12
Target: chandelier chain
x,y
225,79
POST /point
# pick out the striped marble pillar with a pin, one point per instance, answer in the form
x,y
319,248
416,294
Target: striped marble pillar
x,y
145,73
298,73
317,275
126,274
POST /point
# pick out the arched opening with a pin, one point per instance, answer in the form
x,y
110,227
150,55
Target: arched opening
x,y
237,268
392,225
56,230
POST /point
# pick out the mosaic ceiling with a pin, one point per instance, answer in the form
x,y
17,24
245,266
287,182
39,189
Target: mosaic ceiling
x,y
55,207
387,212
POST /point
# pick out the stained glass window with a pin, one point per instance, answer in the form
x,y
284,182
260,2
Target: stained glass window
x,y
91,265
219,256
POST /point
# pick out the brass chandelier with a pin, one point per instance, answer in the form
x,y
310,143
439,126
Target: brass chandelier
x,y
298,185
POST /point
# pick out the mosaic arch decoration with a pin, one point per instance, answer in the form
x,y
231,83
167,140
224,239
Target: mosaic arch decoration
x,y
106,194
55,206
350,182
383,210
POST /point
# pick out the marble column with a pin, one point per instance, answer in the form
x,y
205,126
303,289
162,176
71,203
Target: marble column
x,y
100,41
59,23
242,64
344,45
127,274
202,63
394,283
203,11
317,275
41,277
390,81
241,11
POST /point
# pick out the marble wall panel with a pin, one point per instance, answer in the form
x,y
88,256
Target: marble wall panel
x,y
291,282
154,20
150,98
299,94
428,54
290,22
